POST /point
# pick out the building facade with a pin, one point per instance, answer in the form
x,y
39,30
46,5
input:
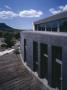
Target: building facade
x,y
56,23
45,50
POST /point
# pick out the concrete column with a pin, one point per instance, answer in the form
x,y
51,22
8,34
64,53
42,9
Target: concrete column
x,y
58,27
45,28
33,27
49,64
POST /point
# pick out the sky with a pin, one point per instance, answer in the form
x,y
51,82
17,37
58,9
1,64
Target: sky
x,y
21,14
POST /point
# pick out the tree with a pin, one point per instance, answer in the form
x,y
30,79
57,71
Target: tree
x,y
9,40
17,35
1,34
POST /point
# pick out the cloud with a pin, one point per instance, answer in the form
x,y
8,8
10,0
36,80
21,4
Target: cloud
x,y
53,11
61,7
7,7
59,10
65,8
30,13
7,14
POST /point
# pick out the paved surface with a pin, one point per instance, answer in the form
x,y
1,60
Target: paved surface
x,y
14,76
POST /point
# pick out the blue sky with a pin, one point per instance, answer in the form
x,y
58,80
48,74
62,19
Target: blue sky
x,y
22,13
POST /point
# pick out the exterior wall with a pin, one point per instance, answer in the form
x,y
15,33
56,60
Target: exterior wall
x,y
55,23
50,39
22,44
64,68
28,50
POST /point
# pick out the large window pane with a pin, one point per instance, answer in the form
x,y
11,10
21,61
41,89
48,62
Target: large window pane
x,y
43,60
63,25
35,56
48,26
54,25
24,49
56,66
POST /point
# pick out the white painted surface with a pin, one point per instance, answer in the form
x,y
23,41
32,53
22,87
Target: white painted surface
x,y
6,51
43,81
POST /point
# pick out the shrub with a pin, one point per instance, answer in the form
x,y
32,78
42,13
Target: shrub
x,y
3,46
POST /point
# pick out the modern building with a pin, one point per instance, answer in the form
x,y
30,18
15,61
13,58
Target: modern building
x,y
56,23
45,48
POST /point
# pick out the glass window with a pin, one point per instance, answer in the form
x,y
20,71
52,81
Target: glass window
x,y
56,66
48,26
24,50
42,27
63,25
36,27
54,25
39,28
43,60
35,56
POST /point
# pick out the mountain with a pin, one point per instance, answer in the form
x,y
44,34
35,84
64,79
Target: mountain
x,y
5,27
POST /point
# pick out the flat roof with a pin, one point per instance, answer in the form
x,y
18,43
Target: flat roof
x,y
52,18
46,33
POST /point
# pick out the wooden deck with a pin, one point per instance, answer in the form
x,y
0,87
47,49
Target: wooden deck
x,y
14,76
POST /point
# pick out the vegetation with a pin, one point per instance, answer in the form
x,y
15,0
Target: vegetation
x,y
9,34
1,34
9,39
3,46
17,35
